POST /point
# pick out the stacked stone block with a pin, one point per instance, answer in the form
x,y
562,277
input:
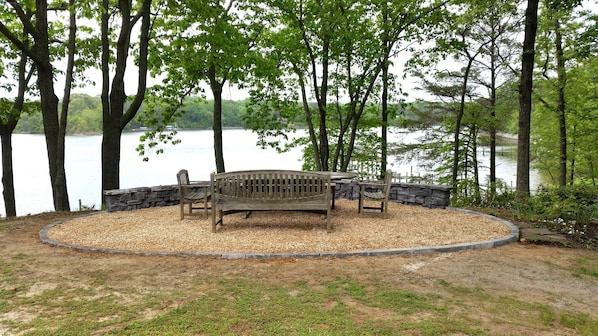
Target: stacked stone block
x,y
428,195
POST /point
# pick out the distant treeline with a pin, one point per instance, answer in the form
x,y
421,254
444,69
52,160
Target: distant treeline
x,y
85,116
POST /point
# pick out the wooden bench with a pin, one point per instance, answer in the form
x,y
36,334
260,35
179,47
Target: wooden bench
x,y
269,190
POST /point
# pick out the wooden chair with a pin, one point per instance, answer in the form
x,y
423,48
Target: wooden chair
x,y
375,191
189,193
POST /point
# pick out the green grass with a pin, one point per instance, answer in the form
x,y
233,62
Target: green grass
x,y
88,300
239,306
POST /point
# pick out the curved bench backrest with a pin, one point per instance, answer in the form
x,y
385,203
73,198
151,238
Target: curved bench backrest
x,y
270,185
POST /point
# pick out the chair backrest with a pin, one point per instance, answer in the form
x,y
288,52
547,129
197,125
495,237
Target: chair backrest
x,y
387,182
182,177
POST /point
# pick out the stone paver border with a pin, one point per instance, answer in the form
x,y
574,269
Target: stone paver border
x,y
512,237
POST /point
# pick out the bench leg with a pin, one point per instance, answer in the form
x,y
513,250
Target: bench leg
x,y
214,219
333,188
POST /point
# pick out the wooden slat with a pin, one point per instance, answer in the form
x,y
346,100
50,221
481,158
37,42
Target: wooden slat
x,y
270,190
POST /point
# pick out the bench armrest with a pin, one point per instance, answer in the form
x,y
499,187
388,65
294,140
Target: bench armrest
x,y
201,183
371,183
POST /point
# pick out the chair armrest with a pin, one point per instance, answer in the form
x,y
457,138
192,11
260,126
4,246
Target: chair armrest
x,y
205,186
375,184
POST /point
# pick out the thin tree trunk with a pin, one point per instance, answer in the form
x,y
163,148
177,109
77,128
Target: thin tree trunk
x,y
384,135
456,136
49,106
68,81
560,110
309,120
525,99
573,150
322,109
493,69
6,129
8,183
475,162
216,88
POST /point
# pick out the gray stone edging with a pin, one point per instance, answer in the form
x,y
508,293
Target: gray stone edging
x,y
428,195
512,237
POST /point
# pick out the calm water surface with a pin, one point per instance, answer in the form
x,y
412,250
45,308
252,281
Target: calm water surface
x,y
195,153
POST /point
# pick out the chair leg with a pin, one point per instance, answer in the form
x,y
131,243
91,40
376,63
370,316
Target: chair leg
x,y
205,206
386,209
182,207
360,206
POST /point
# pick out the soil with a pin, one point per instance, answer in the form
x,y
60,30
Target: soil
x,y
537,273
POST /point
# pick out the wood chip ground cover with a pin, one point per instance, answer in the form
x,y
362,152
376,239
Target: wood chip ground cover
x,y
161,230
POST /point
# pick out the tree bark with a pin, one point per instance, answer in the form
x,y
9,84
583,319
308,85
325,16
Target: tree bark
x,y
8,183
458,120
7,127
384,131
49,106
115,117
560,108
492,131
216,88
525,99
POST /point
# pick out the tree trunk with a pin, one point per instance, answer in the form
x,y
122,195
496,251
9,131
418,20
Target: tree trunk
x,y
493,69
7,127
384,131
111,134
309,120
525,99
49,106
456,136
216,88
475,163
8,183
322,99
68,82
115,118
560,108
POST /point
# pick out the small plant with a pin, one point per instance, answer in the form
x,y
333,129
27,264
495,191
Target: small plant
x,y
84,207
571,210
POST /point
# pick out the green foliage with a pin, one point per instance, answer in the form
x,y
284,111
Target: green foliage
x,y
580,124
276,123
565,94
568,204
333,54
572,210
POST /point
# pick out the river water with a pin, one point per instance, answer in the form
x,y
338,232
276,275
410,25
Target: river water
x,y
195,153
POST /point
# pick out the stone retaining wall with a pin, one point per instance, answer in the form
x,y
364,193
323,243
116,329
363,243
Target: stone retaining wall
x,y
434,196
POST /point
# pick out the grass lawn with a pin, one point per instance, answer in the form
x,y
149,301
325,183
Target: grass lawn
x,y
519,289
